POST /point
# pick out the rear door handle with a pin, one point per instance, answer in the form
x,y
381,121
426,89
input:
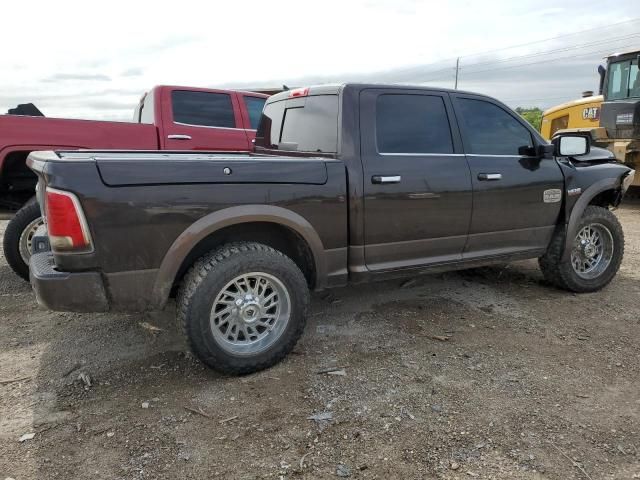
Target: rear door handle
x,y
489,176
379,179
179,137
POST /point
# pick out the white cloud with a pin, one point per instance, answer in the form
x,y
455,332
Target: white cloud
x,y
73,51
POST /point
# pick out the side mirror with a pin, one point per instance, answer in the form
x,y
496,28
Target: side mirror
x,y
571,145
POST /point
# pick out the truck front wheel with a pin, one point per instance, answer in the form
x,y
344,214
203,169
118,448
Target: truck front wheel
x,y
18,236
243,307
596,253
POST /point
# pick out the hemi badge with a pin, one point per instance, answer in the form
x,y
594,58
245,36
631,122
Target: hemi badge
x,y
552,196
572,192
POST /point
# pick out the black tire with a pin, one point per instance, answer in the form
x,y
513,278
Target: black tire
x,y
25,217
562,274
207,279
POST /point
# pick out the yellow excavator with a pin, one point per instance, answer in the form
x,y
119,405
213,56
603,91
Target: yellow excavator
x,y
612,118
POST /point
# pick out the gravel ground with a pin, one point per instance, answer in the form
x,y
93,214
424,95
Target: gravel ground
x,y
485,373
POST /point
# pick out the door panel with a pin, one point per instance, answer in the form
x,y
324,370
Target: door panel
x,y
417,186
204,120
510,210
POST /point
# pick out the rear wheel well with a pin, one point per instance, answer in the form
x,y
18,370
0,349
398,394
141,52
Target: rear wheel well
x,y
274,235
17,181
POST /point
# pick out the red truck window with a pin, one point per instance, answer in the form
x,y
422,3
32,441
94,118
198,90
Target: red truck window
x,y
254,108
203,108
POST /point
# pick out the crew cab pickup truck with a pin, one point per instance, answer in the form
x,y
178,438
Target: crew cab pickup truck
x,y
348,183
167,118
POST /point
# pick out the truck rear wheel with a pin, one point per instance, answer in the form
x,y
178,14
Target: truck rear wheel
x,y
243,307
596,253
18,236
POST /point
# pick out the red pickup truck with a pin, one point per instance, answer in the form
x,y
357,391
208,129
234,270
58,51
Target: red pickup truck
x,y
167,118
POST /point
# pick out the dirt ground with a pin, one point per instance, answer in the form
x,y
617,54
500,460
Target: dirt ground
x,y
486,373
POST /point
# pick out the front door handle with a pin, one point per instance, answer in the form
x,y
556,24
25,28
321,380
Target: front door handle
x,y
179,137
489,176
379,179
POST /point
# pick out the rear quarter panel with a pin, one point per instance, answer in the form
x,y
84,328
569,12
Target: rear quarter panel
x,y
134,226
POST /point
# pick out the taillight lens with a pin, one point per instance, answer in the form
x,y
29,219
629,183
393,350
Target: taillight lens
x,y
65,223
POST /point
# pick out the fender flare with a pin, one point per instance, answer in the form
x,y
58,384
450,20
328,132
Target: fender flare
x,y
220,219
581,204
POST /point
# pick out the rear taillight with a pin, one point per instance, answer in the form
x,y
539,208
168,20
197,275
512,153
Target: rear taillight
x,y
66,225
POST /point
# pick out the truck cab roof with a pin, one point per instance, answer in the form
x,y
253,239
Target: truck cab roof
x,y
336,88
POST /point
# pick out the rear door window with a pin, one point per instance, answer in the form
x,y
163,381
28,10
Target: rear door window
x,y
254,109
412,124
302,124
490,130
205,109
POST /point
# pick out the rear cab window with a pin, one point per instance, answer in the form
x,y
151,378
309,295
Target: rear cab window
x,y
204,109
301,124
254,106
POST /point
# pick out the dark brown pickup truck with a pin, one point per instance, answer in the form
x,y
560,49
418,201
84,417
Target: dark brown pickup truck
x,y
348,183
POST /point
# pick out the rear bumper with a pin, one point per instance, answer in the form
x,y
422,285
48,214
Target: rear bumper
x,y
64,291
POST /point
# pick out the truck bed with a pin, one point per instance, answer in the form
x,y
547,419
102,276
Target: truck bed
x,y
19,130
140,205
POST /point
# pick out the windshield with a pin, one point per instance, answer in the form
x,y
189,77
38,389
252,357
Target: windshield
x,y
623,80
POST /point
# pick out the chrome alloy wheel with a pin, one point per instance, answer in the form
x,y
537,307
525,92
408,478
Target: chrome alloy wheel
x,y
592,251
26,239
250,313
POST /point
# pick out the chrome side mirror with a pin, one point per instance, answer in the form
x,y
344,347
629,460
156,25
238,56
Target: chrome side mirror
x,y
572,145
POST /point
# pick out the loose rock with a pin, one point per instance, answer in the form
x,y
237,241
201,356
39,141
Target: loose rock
x,y
343,471
26,436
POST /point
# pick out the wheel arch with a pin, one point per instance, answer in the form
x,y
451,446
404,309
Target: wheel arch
x,y
275,226
603,193
13,167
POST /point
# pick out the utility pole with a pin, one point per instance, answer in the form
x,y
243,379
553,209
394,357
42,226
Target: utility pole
x,y
457,70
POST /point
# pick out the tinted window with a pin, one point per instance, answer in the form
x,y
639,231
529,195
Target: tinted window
x,y
254,108
490,130
202,108
412,124
302,124
634,80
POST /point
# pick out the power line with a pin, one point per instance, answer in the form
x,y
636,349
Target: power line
x,y
552,38
558,50
464,68
407,69
601,52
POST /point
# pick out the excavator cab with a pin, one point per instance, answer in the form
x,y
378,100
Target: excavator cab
x,y
612,118
620,112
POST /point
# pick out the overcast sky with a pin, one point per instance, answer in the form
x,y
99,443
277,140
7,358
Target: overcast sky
x,y
95,59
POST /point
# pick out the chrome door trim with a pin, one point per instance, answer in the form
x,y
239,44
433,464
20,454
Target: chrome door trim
x,y
207,126
387,154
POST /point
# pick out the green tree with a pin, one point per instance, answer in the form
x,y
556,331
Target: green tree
x,y
531,115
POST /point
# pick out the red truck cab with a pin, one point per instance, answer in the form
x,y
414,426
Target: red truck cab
x,y
201,119
166,118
